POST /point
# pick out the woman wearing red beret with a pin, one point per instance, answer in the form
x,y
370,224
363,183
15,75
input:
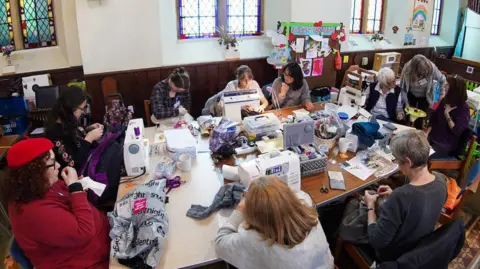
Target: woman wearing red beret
x,y
52,220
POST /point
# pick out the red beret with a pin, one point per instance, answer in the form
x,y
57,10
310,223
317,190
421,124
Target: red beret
x,y
27,150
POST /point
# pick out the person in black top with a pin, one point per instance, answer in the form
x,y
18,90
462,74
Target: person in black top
x,y
411,211
383,97
72,143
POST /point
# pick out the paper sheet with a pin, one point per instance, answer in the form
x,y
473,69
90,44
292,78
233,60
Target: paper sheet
x,y
356,168
325,46
351,111
96,187
306,65
179,139
317,68
311,54
299,44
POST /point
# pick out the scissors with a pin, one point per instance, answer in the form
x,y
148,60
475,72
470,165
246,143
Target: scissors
x,y
324,189
173,183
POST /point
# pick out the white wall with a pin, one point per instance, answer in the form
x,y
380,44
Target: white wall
x,y
471,51
451,14
66,54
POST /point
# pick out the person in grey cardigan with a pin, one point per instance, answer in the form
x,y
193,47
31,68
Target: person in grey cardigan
x,y
411,211
291,89
417,84
273,227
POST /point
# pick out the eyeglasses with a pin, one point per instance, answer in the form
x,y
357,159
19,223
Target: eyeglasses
x,y
51,165
84,109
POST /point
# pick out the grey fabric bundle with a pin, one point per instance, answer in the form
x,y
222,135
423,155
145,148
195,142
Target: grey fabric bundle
x,y
228,196
139,224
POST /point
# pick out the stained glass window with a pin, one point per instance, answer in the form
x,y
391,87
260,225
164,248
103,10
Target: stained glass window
x,y
6,29
437,17
357,16
243,17
38,25
198,18
374,18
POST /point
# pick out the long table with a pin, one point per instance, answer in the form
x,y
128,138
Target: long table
x,y
191,242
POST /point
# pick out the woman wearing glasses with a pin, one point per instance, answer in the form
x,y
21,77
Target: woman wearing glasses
x,y
417,84
72,143
52,220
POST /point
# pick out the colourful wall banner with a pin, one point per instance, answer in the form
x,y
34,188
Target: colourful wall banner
x,y
420,13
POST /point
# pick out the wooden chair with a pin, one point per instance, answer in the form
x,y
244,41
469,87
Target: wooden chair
x,y
146,104
357,72
462,165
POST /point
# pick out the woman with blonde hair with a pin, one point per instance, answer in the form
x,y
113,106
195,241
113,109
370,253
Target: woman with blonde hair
x,y
274,228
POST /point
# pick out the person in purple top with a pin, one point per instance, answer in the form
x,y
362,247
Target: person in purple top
x,y
450,119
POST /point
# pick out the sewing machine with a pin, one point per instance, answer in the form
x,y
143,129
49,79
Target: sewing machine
x,y
284,164
349,95
136,149
233,101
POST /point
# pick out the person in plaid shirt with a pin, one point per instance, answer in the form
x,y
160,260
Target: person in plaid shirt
x,y
171,97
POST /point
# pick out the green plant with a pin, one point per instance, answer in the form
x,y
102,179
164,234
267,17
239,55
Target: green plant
x,y
377,37
226,39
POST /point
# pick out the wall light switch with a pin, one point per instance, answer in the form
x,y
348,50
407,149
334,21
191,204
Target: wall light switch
x,y
364,60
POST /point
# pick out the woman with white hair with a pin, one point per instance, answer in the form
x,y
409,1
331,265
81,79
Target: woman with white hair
x,y
411,211
383,97
417,84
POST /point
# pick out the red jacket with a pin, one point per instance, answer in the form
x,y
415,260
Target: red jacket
x,y
61,230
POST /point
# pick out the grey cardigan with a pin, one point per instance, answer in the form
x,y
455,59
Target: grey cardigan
x,y
245,249
437,75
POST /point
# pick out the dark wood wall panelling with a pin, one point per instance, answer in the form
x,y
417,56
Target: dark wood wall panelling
x,y
206,80
453,67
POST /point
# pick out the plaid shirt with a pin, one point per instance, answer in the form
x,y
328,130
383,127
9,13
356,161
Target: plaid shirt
x,y
161,103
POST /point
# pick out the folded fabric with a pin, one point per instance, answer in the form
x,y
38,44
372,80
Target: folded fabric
x,y
367,132
228,196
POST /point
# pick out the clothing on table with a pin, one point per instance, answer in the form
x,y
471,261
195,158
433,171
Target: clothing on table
x,y
228,196
386,105
162,105
294,97
212,102
62,230
423,88
420,103
409,214
246,249
68,151
367,132
442,136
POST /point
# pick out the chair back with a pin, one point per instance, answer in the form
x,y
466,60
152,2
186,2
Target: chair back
x,y
436,250
46,96
146,104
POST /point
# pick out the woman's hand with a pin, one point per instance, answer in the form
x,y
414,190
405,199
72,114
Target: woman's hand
x,y
219,109
400,116
448,109
94,135
309,106
385,190
261,109
95,126
241,206
284,90
370,199
427,132
69,175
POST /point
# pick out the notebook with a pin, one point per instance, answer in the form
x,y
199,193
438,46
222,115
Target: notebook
x,y
337,182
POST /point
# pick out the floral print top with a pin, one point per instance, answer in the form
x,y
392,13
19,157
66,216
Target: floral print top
x,y
68,151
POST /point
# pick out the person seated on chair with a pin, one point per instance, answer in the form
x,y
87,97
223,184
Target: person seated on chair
x,y
383,97
411,211
171,96
291,89
273,228
52,220
417,84
72,143
450,120
244,81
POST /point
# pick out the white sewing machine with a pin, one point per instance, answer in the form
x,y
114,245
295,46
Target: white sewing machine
x,y
233,101
284,164
349,95
136,149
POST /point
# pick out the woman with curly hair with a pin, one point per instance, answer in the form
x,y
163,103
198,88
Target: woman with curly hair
x,y
273,227
52,220
71,142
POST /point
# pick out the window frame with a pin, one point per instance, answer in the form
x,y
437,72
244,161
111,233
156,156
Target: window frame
x,y
362,7
364,18
180,22
439,22
259,18
53,36
221,20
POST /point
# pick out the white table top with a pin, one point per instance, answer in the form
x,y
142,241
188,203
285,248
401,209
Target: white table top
x,y
190,242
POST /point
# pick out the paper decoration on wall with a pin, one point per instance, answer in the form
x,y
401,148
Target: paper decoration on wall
x,y
317,68
345,59
395,29
277,39
306,65
279,56
409,39
312,48
420,13
299,45
470,69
